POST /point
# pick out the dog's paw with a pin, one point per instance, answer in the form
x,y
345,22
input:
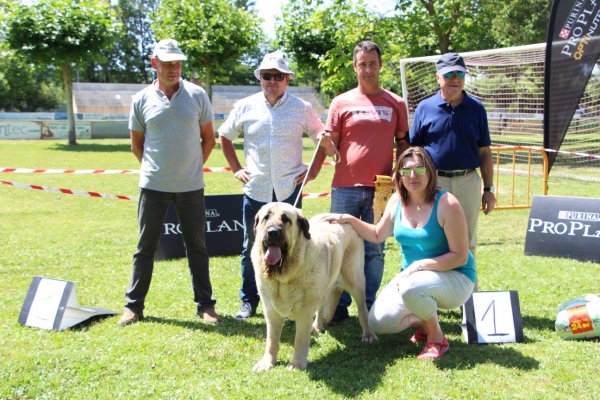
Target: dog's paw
x,y
265,364
316,329
297,364
369,337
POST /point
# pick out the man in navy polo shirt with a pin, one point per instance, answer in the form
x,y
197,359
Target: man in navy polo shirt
x,y
453,127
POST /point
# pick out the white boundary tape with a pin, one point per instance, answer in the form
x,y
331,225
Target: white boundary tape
x,y
102,171
69,171
111,196
69,191
573,153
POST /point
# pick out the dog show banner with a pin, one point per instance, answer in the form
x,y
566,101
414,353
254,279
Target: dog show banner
x,y
567,227
572,49
224,229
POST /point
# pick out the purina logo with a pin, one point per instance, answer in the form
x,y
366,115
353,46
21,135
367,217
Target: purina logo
x,y
212,213
579,216
564,33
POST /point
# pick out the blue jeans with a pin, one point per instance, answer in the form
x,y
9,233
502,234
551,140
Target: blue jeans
x,y
358,201
249,291
152,210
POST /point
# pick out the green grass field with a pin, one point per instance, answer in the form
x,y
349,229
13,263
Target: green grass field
x,y
174,355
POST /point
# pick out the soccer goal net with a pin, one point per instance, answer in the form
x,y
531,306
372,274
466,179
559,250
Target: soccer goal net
x,y
510,83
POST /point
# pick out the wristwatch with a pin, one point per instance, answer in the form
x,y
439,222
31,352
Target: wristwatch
x,y
490,189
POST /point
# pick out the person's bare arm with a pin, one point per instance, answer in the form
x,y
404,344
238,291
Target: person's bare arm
x,y
372,233
488,199
207,134
402,143
330,140
137,144
228,149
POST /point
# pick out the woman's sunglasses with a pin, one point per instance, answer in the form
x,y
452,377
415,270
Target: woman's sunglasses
x,y
449,75
267,76
419,170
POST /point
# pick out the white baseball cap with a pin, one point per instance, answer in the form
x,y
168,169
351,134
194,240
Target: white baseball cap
x,y
273,61
168,50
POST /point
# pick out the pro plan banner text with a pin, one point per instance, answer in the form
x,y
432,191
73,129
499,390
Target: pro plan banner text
x,y
567,227
572,49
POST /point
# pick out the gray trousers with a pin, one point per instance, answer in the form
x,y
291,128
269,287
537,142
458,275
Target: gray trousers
x,y
417,298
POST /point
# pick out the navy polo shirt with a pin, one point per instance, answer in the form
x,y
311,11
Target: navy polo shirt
x,y
452,136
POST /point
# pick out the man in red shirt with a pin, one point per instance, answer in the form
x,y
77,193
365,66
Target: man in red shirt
x,y
363,124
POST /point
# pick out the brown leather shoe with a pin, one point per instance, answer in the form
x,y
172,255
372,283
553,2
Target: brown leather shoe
x,y
129,317
210,315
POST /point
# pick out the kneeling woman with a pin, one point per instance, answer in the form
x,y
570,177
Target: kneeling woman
x,y
438,270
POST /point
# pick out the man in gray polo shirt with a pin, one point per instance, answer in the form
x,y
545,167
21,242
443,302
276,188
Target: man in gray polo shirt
x,y
172,135
273,123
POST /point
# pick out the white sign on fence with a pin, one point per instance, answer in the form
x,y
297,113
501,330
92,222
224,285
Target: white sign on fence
x,y
19,130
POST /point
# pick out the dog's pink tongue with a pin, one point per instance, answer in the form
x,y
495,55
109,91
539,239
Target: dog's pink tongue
x,y
273,255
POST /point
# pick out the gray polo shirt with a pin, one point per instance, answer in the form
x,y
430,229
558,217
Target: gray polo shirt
x,y
172,160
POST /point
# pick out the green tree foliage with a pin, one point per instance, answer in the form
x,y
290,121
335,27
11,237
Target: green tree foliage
x,y
438,26
135,41
212,33
62,33
321,36
23,87
126,59
521,22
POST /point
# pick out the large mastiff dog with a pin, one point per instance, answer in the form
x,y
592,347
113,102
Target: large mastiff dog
x,y
301,268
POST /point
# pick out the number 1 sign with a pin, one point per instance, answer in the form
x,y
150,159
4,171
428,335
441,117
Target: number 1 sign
x,y
493,317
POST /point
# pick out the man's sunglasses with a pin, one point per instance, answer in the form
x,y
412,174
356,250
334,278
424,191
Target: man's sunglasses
x,y
419,170
449,75
267,76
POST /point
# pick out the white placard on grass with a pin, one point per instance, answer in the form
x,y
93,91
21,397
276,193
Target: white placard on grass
x,y
52,304
492,317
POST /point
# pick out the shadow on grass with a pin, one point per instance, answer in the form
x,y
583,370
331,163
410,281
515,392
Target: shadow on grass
x,y
537,323
224,328
91,322
355,368
92,148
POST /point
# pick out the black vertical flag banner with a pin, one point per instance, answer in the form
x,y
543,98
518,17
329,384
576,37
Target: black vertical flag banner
x,y
572,49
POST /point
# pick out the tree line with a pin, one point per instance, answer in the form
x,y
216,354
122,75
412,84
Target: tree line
x,y
46,44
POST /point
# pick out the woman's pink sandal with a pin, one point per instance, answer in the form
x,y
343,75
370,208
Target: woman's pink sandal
x,y
418,337
431,350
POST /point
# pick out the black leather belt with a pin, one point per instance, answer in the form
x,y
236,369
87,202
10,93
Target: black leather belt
x,y
452,174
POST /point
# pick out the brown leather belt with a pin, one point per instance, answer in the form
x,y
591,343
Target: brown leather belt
x,y
452,174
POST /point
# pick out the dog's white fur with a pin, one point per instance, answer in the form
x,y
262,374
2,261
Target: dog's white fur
x,y
319,260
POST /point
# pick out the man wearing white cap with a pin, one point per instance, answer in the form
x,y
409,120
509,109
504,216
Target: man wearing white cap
x,y
273,123
172,135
